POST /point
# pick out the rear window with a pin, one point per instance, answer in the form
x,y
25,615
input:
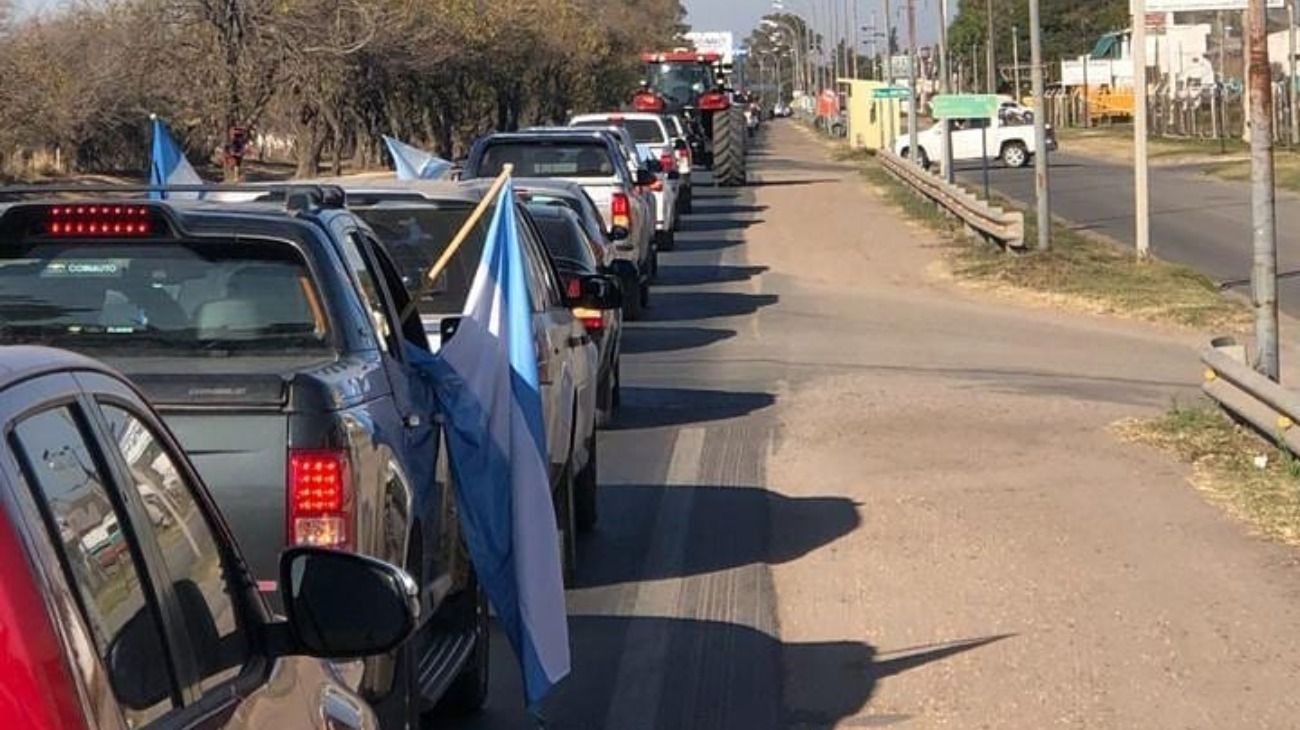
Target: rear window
x,y
415,235
212,298
565,241
542,158
644,131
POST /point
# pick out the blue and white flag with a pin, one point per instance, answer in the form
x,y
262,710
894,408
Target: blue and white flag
x,y
168,165
488,387
412,163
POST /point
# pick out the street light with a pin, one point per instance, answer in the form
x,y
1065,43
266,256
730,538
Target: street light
x,y
796,69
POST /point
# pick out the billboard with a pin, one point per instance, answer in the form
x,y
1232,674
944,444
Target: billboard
x,y
723,42
1190,6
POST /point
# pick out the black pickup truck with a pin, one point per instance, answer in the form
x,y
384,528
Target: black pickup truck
x,y
269,337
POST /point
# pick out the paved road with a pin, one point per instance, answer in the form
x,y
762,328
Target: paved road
x,y
847,493
1195,219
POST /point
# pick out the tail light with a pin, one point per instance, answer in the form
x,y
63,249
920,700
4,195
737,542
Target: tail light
x,y
647,102
715,101
320,500
592,319
620,209
75,221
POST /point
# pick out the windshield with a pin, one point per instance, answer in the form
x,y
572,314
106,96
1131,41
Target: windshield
x,y
415,235
680,83
564,240
217,298
543,158
644,131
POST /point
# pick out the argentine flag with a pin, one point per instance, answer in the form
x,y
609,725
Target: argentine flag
x,y
168,165
487,385
412,163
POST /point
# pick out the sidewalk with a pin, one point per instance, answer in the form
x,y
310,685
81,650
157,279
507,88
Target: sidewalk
x,y
1016,565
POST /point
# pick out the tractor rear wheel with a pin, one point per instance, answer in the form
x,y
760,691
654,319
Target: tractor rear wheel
x,y
729,148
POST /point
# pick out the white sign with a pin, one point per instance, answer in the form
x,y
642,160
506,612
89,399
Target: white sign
x,y
1191,6
722,42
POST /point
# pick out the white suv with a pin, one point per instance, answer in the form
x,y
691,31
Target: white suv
x,y
654,145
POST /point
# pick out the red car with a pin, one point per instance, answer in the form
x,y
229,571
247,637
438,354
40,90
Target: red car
x,y
172,631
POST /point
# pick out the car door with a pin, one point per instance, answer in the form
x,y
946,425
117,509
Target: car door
x,y
556,339
967,142
162,598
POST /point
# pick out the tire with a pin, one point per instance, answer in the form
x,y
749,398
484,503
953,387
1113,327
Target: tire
x,y
585,492
1014,154
469,691
925,159
566,524
616,397
728,149
687,202
667,240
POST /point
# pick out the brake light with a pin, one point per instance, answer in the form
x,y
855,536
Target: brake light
x,y
620,209
714,102
648,103
73,221
592,319
320,503
573,287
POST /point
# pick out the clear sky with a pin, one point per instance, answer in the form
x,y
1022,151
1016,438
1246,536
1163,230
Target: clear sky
x,y
740,16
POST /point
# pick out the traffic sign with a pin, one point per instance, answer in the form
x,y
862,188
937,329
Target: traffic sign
x,y
891,92
964,106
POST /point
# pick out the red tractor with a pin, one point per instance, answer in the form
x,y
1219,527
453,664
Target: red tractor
x,y
691,85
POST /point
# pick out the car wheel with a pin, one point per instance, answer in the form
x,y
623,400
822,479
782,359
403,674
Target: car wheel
x,y
667,242
469,691
584,496
565,523
616,397
632,299
644,298
1014,154
687,203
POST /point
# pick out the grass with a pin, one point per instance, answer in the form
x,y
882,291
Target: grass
x,y
1286,169
1080,271
1248,476
1118,138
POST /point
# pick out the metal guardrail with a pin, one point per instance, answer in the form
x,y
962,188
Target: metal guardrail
x,y
1264,404
1006,227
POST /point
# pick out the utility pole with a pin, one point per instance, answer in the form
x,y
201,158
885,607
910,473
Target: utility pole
x,y
945,83
912,148
1246,42
1290,75
1015,60
1040,129
1142,202
857,40
889,43
990,60
1222,77
1263,225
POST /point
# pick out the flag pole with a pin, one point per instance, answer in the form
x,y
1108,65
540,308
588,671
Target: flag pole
x,y
441,264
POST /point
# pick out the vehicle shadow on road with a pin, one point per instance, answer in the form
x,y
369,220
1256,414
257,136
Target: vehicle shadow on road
x,y
722,527
705,305
671,339
696,225
709,244
645,407
793,183
695,275
711,675
727,210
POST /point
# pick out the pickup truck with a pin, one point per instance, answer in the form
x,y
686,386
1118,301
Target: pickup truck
x,y
592,159
415,221
269,338
1014,144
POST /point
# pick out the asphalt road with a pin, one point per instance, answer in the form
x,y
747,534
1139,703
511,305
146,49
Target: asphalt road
x,y
1195,219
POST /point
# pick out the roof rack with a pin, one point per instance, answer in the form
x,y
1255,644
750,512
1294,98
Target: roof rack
x,y
296,196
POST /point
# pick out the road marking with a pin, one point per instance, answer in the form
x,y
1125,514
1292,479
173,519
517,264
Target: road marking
x,y
643,661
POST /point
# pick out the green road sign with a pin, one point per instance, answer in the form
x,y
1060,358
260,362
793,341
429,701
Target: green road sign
x,y
964,106
891,92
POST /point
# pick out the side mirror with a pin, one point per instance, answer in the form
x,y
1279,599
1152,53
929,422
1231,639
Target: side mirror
x,y
619,233
645,178
680,144
137,665
653,165
674,175
324,592
599,292
625,271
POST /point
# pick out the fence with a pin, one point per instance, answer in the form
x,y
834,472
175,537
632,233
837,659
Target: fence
x,y
1266,405
1006,228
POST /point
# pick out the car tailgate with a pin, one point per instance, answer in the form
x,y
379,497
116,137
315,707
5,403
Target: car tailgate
x,y
235,431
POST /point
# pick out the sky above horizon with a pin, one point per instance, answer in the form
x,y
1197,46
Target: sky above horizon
x,y
741,16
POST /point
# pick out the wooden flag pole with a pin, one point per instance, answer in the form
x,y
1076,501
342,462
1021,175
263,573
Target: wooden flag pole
x,y
441,264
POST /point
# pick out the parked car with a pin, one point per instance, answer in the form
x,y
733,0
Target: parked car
x,y
593,160
654,144
1012,143
576,199
415,222
577,256
173,631
269,337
